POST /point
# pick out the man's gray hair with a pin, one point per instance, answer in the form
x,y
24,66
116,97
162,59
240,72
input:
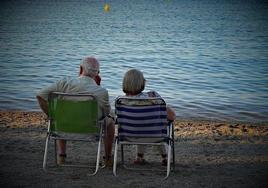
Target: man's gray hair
x,y
90,66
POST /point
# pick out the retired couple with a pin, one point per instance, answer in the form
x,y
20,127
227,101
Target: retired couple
x,y
89,81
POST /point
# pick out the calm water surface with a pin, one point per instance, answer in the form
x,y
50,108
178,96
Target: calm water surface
x,y
208,59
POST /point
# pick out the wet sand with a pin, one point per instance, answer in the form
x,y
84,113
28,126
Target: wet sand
x,y
208,154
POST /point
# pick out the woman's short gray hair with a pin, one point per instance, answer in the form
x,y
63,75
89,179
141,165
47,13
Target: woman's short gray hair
x,y
133,82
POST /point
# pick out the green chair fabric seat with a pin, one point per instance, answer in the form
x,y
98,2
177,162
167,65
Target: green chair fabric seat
x,y
72,114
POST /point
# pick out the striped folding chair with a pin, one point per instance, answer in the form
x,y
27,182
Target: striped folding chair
x,y
143,119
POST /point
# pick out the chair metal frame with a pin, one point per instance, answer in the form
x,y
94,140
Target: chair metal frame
x,y
167,139
55,127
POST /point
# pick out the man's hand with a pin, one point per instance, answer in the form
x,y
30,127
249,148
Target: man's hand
x,y
98,79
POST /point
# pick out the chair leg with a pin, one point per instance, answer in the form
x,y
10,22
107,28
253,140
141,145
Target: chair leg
x,y
122,155
45,153
115,157
168,162
173,147
173,154
98,155
55,151
98,160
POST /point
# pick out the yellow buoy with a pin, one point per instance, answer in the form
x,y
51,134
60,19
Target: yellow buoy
x,y
106,7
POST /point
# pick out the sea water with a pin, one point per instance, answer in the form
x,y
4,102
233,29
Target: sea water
x,y
208,59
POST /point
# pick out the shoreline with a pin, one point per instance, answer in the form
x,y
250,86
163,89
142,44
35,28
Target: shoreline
x,y
183,127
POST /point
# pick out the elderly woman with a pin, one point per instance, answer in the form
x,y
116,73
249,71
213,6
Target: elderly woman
x,y
133,86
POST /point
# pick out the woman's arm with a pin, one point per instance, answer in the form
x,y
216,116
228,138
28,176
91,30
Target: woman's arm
x,y
171,115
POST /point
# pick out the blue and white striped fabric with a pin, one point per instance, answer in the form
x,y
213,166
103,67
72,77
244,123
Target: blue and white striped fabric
x,y
141,118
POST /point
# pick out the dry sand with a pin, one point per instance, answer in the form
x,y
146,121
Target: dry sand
x,y
208,154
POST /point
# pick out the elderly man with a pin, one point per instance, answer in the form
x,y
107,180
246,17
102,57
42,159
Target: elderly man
x,y
88,81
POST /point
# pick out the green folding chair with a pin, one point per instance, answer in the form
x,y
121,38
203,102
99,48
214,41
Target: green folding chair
x,y
69,115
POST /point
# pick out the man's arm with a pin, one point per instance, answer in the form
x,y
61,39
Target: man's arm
x,y
42,95
104,103
43,104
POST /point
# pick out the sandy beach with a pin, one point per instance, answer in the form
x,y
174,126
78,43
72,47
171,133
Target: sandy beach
x,y
208,154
